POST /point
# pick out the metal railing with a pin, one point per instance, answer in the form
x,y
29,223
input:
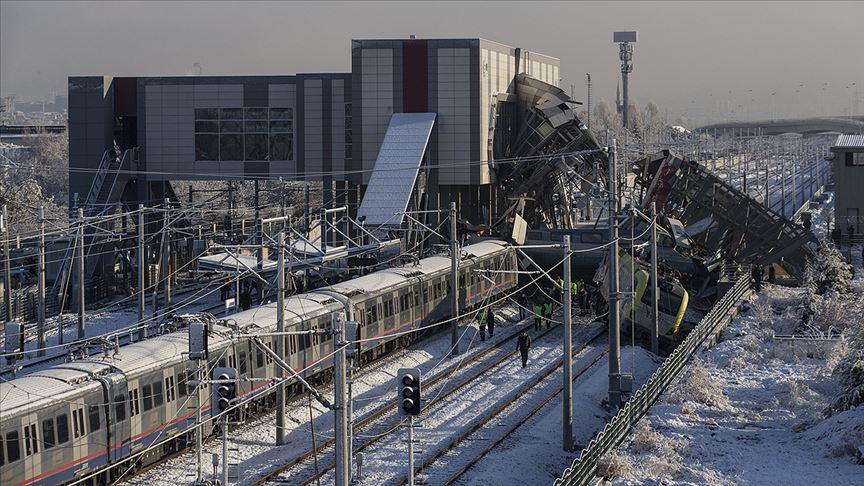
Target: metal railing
x,y
584,468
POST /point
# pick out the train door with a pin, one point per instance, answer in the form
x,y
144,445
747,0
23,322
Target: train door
x,y
79,437
32,445
134,411
118,413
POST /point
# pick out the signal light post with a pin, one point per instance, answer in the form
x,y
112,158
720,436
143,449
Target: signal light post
x,y
409,403
223,394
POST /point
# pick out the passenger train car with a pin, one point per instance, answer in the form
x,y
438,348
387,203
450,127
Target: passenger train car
x,y
82,420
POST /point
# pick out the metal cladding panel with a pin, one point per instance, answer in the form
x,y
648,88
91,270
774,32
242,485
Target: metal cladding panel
x,y
396,167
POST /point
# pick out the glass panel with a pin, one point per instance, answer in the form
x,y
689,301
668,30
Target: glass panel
x,y
282,147
157,394
231,126
95,423
231,147
256,113
256,126
181,385
206,126
62,429
13,446
147,391
120,407
280,126
206,114
231,113
281,113
255,147
206,147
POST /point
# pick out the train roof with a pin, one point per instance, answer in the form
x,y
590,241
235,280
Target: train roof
x,y
35,391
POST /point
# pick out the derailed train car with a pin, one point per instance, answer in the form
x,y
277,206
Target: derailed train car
x,y
85,419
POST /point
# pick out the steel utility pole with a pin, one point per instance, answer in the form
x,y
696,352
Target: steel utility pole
x,y
568,351
588,124
280,340
614,303
343,466
7,270
81,323
142,269
655,296
166,256
454,283
40,270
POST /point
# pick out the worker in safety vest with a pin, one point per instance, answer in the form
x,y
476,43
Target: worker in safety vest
x,y
481,323
538,315
547,311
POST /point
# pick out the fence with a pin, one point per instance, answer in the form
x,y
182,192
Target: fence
x,y
583,469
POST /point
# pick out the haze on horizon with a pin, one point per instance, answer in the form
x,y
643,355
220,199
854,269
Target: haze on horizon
x,y
705,61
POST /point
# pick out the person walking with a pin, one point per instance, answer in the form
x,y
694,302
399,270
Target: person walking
x,y
491,323
481,324
756,274
523,344
772,274
245,299
547,313
538,315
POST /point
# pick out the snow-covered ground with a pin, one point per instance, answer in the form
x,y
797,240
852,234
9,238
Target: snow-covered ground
x,y
752,409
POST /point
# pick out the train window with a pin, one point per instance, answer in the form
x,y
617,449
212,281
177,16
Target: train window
x,y
2,454
591,238
242,359
181,384
157,394
259,358
120,407
31,445
307,341
62,429
271,344
48,433
169,389
133,403
416,298
556,237
292,343
93,415
147,391
221,362
78,422
13,446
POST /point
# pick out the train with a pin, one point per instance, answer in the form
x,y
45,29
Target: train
x,y
82,421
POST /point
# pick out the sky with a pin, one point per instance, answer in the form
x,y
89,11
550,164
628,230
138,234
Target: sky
x,y
704,60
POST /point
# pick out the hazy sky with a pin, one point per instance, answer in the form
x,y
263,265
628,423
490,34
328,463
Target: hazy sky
x,y
700,59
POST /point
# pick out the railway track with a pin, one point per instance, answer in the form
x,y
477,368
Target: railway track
x,y
383,422
502,410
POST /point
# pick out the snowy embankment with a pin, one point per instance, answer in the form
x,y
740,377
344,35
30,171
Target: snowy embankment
x,y
760,409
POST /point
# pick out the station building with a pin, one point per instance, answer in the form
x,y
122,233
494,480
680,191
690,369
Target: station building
x,y
313,127
848,153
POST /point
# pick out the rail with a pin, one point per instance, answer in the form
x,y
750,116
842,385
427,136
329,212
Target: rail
x,y
584,468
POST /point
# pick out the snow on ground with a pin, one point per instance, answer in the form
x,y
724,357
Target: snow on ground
x,y
385,461
750,409
533,453
372,388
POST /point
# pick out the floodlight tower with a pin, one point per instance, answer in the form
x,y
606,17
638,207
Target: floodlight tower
x,y
624,39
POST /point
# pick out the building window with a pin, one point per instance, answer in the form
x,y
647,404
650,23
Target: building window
x,y
244,134
348,134
854,159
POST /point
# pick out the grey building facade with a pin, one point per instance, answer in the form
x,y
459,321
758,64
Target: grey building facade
x,y
848,183
322,127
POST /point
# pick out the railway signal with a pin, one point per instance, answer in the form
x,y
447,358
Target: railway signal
x,y
224,389
408,391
